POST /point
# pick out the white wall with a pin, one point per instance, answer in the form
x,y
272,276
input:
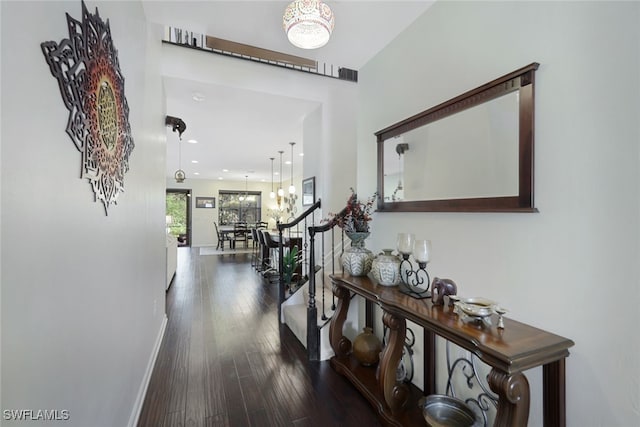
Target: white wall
x,y
82,293
572,268
337,130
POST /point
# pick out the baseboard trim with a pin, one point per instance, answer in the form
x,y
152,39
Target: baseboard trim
x,y
137,408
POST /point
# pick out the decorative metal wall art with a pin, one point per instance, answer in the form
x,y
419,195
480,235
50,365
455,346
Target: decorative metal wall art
x,y
92,88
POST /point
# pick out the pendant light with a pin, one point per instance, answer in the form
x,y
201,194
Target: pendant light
x,y
272,195
246,189
280,190
179,175
292,188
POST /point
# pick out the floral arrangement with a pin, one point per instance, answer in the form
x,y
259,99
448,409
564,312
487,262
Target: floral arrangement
x,y
356,215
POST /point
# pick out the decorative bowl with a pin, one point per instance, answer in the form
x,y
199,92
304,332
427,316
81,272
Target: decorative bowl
x,y
477,307
440,410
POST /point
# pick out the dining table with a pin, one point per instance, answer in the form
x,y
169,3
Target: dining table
x,y
228,232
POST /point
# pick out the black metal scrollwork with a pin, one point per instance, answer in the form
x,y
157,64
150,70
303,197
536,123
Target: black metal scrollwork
x,y
485,403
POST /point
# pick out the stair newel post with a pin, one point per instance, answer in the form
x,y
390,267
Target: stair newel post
x,y
333,265
280,272
313,333
324,315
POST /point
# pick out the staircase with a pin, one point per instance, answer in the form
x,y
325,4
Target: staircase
x,y
307,309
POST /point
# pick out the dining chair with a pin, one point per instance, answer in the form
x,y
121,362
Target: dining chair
x,y
270,263
240,233
222,237
255,248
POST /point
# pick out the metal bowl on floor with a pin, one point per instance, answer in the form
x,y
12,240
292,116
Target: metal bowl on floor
x,y
445,411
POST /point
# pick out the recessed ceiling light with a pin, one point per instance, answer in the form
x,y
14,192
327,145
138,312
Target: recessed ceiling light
x,y
194,161
288,162
301,154
220,178
276,173
225,170
192,141
196,173
262,180
198,97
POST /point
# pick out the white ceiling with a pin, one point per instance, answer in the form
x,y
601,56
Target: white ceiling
x,y
362,28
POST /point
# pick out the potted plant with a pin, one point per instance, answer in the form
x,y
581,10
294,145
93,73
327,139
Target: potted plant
x,y
290,263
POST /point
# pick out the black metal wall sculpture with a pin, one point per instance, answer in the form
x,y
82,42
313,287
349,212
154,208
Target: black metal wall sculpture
x,y
92,88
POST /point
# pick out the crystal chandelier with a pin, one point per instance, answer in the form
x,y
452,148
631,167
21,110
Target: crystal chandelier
x,y
308,23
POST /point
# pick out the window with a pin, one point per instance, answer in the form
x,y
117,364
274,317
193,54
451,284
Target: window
x,y
239,206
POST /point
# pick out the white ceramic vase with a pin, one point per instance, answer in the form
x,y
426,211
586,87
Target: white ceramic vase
x,y
356,259
385,268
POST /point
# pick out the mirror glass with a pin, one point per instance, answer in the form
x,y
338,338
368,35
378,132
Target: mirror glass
x,y
472,153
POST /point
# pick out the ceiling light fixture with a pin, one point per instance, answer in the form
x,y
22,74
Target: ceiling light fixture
x,y
179,175
308,23
246,189
280,190
292,188
272,195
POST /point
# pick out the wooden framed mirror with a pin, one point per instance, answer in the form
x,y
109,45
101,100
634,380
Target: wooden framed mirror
x,y
473,153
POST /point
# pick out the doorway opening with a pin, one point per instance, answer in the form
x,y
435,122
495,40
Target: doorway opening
x,y
178,213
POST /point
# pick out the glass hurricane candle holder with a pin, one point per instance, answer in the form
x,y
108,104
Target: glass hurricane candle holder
x,y
405,243
414,277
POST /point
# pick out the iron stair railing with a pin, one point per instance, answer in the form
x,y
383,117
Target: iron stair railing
x,y
313,330
292,230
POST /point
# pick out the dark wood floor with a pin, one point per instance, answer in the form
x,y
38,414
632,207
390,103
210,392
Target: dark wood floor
x,y
226,360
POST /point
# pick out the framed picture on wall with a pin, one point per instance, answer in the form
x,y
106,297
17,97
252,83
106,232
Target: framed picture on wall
x,y
205,202
308,191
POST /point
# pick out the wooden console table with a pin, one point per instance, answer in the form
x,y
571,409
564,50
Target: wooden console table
x,y
508,351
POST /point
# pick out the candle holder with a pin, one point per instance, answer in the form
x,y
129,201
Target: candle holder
x,y
414,277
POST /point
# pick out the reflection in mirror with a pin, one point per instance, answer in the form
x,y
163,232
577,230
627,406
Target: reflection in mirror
x,y
471,153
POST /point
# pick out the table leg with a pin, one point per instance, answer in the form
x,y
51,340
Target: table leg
x,y
395,394
339,343
554,394
513,398
429,338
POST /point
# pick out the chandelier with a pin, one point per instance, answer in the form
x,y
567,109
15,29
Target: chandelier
x,y
308,23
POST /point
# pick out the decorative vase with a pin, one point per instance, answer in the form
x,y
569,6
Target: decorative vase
x,y
385,268
367,347
356,260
